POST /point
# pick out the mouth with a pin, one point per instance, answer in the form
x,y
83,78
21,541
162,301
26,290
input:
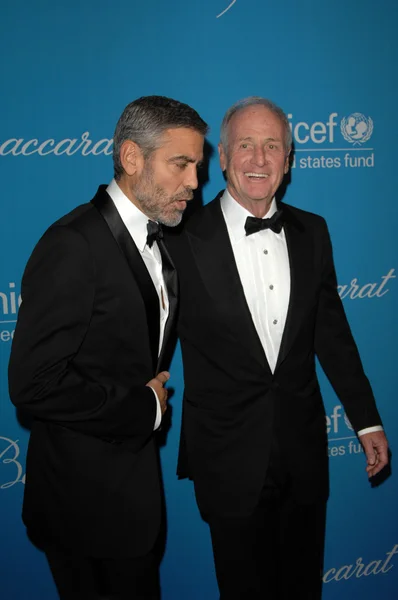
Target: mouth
x,y
181,204
256,176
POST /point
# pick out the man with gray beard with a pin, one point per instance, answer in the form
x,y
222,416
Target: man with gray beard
x,y
93,334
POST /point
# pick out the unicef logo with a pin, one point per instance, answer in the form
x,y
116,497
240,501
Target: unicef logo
x,y
356,129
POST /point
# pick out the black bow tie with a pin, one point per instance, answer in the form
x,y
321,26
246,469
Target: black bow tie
x,y
253,224
154,232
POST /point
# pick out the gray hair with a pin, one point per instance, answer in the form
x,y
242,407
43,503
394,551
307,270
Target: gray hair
x,y
255,101
146,119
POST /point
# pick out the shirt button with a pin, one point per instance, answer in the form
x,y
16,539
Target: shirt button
x,y
271,287
265,251
275,321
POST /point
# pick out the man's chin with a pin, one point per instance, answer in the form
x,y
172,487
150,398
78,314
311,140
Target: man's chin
x,y
171,220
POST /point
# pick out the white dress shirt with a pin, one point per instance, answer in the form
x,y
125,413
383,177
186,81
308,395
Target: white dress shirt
x,y
263,265
136,223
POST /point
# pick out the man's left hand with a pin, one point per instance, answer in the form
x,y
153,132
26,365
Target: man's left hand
x,y
375,446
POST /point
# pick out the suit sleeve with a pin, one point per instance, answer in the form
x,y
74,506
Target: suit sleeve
x,y
337,350
58,292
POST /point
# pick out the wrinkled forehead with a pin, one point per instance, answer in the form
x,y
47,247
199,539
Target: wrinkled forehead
x,y
254,120
179,143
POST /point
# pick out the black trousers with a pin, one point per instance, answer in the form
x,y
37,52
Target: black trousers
x,y
84,578
276,553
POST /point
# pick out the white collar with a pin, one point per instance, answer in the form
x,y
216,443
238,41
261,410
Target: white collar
x,y
134,219
235,215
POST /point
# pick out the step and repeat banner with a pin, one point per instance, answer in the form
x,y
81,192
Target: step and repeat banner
x,y
68,70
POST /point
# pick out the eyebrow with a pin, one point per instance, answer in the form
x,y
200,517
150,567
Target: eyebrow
x,y
185,158
249,139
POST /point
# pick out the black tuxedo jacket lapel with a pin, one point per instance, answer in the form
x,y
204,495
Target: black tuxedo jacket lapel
x,y
103,203
172,292
214,257
301,261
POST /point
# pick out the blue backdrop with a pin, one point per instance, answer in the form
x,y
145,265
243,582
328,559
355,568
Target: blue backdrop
x,y
68,70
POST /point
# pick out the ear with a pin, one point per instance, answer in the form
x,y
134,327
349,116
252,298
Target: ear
x,y
223,157
287,163
131,157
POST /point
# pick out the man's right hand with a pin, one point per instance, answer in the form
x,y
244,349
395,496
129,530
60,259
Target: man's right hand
x,y
157,384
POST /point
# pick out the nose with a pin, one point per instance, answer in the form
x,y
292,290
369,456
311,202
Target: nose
x,y
191,180
259,156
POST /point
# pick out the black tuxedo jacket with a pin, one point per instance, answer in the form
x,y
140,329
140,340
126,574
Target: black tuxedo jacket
x,y
85,345
233,404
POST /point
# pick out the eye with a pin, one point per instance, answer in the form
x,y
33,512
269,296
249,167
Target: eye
x,y
244,145
182,166
272,146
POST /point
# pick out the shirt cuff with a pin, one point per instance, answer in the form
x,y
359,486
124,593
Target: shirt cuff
x,y
370,430
158,419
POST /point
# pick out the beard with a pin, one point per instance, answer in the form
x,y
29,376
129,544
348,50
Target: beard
x,y
156,203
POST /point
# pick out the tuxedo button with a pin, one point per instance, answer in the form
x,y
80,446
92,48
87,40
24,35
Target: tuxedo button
x,y
265,251
271,287
275,321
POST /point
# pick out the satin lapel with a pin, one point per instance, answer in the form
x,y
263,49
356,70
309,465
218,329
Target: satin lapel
x,y
172,292
301,261
214,257
103,203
